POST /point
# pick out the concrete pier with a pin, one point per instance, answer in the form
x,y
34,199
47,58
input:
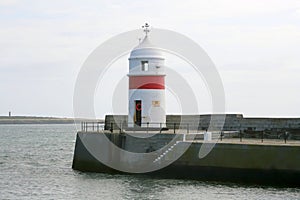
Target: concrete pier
x,y
250,161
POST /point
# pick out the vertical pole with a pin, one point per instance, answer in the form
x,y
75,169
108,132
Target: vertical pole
x,y
160,127
93,124
240,136
120,127
262,136
221,135
174,127
285,136
147,126
111,127
188,128
98,126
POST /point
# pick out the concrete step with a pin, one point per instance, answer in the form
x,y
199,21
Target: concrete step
x,y
166,152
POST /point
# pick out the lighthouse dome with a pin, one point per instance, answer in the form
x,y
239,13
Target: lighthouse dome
x,y
146,50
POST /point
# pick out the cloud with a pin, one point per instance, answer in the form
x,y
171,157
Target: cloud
x,y
249,41
8,2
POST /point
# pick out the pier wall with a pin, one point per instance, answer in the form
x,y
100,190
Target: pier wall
x,y
245,163
233,122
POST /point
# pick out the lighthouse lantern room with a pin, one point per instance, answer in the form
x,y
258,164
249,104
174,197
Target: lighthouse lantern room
x,y
146,85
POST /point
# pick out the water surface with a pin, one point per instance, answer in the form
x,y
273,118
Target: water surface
x,y
36,160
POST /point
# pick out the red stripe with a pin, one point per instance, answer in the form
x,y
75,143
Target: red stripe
x,y
147,82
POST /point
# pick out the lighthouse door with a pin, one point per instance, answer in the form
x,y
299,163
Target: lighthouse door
x,y
138,113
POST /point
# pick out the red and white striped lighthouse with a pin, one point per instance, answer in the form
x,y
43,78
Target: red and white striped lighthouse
x,y
146,85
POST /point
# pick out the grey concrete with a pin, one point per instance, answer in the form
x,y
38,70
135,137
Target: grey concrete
x,y
228,161
233,122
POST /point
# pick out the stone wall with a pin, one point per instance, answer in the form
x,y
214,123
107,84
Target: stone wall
x,y
233,122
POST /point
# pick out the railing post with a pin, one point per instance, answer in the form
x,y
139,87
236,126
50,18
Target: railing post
x,y
221,135
120,127
93,124
285,136
147,127
262,136
98,126
240,136
111,127
160,127
188,128
174,127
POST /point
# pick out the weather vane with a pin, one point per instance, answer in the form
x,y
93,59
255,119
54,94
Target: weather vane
x,y
146,28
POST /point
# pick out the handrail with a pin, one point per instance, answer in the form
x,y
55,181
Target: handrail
x,y
147,126
186,128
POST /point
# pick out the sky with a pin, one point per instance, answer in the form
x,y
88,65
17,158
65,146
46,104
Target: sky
x,y
254,44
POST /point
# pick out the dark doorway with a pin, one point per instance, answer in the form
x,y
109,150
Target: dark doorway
x,y
138,113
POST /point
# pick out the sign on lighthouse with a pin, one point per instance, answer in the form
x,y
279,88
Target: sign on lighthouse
x,y
146,85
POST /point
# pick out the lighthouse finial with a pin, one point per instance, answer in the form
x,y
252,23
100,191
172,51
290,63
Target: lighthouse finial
x,y
146,28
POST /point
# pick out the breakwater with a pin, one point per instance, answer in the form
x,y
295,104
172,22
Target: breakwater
x,y
247,150
234,161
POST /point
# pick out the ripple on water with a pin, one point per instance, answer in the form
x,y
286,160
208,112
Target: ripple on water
x,y
35,163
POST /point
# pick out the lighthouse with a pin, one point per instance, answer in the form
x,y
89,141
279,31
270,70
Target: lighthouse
x,y
146,85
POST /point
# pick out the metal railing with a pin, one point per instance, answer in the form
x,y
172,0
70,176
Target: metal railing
x,y
101,126
262,135
184,128
92,126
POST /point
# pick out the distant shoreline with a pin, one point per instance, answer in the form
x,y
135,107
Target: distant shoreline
x,y
39,120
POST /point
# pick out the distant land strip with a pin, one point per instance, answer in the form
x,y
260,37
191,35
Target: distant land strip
x,y
40,120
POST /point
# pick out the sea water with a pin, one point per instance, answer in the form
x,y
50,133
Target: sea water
x,y
36,160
